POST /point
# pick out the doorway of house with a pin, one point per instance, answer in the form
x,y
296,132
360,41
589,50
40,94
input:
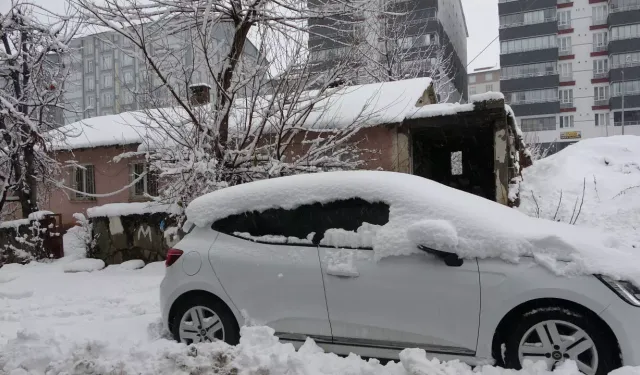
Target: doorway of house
x,y
461,157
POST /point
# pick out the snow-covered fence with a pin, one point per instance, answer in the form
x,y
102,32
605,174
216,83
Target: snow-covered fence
x,y
37,237
125,231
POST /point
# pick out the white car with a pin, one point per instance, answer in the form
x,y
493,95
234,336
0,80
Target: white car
x,y
375,262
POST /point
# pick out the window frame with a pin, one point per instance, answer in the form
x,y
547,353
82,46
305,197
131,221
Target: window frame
x,y
80,193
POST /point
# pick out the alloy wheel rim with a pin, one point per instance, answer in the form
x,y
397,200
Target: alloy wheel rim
x,y
554,341
200,324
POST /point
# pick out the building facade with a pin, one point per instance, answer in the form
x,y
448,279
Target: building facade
x,y
421,28
484,80
563,66
110,76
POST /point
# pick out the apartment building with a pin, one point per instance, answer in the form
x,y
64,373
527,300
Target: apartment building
x,y
484,80
418,26
108,75
571,68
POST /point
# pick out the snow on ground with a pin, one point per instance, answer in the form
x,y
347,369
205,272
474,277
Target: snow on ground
x,y
608,169
108,323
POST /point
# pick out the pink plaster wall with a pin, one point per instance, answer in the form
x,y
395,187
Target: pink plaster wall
x,y
109,177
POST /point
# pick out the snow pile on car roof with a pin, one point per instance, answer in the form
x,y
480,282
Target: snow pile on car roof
x,y
484,228
607,169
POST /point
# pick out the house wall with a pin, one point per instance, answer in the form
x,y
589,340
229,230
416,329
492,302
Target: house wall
x,y
389,152
109,177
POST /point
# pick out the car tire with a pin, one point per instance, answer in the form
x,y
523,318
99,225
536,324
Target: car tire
x,y
565,334
201,318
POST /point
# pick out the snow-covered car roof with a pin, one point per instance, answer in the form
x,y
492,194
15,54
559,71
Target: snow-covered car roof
x,y
481,228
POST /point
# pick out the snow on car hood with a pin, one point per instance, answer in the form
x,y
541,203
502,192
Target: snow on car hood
x,y
484,228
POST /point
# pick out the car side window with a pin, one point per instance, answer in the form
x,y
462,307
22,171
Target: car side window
x,y
307,224
352,223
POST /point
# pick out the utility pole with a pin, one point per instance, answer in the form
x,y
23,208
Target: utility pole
x,y
623,89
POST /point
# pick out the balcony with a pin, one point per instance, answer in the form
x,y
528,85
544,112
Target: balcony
x,y
566,105
600,48
564,26
627,8
601,103
598,23
566,78
565,52
600,75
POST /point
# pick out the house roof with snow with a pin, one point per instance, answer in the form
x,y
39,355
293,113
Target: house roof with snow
x,y
369,105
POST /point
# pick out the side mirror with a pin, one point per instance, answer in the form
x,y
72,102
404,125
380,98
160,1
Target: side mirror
x,y
436,237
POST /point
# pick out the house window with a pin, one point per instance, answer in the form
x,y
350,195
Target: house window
x,y
600,41
488,76
84,181
148,185
127,59
600,67
472,90
564,20
602,119
472,79
538,124
566,122
488,88
600,14
91,101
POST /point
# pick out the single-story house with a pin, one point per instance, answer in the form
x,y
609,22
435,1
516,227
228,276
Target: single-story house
x,y
474,147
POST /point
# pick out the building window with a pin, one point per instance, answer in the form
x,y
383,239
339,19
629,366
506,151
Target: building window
x,y
629,88
528,18
472,79
91,101
566,122
148,185
623,5
488,76
566,98
625,60
472,91
532,96
528,44
602,119
600,68
89,68
564,20
600,41
599,14
529,70
630,118
128,77
91,84
566,71
107,62
126,97
625,32
107,80
538,124
107,99
601,93
84,181
488,88
564,45
127,59
88,47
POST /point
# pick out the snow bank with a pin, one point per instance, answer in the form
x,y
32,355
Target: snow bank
x,y
136,208
607,169
484,228
74,242
84,265
129,265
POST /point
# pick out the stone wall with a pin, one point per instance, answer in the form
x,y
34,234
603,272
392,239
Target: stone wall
x,y
141,236
35,238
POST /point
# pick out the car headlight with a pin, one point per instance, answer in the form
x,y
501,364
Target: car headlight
x,y
625,289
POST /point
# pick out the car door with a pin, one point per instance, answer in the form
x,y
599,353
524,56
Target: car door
x,y
272,276
397,301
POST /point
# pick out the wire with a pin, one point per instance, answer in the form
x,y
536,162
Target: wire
x,y
498,36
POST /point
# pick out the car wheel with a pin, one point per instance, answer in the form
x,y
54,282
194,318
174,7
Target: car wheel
x,y
204,319
554,335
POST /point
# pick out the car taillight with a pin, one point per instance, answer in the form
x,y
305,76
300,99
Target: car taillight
x,y
172,256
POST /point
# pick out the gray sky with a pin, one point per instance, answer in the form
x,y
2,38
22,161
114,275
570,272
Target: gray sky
x,y
482,21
